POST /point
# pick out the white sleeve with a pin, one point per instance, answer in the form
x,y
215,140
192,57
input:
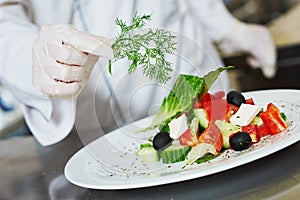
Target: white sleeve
x,y
214,16
49,120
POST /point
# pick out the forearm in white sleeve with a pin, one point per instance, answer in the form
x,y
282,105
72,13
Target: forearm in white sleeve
x,y
50,120
214,16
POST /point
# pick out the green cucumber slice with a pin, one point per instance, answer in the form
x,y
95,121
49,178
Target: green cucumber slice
x,y
174,153
257,120
227,129
148,154
202,117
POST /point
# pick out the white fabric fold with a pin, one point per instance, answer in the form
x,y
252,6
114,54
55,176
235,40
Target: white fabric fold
x,y
60,124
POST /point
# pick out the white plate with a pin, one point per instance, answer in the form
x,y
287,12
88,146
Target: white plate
x,y
110,162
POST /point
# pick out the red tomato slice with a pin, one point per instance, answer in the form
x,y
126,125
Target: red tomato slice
x,y
219,95
253,132
216,106
212,135
231,110
187,139
209,97
216,109
272,107
263,130
273,120
250,101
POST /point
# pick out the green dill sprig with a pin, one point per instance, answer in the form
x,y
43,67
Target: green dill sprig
x,y
146,50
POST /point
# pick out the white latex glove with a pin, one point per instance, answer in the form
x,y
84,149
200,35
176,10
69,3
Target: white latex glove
x,y
255,40
63,58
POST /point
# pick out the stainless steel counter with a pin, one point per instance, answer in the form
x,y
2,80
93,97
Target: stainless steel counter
x,y
30,171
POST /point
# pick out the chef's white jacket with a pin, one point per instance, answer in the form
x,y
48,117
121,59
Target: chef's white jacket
x,y
107,101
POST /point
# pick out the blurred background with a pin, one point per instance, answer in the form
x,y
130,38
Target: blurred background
x,y
259,11
280,16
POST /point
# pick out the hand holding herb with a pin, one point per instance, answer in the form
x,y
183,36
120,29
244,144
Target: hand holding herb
x,y
146,50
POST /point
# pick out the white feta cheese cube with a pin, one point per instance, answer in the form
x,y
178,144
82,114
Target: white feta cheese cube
x,y
178,126
245,114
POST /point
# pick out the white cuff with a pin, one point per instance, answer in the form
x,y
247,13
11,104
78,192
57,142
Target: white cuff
x,y
55,129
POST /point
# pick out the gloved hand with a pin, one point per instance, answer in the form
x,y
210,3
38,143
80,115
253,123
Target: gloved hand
x,y
63,58
254,40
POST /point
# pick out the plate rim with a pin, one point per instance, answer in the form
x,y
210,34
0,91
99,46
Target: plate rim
x,y
234,162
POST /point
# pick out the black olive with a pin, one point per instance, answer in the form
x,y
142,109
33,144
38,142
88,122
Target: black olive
x,y
161,140
235,98
240,141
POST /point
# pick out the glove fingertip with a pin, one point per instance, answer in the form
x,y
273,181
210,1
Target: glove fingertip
x,y
253,62
269,72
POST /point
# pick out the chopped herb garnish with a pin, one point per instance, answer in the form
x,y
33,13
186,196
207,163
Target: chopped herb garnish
x,y
145,145
205,158
146,50
283,116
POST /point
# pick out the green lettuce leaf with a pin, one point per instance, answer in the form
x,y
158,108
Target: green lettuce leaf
x,y
180,98
212,76
185,89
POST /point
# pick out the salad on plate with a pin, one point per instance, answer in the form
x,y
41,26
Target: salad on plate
x,y
195,125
